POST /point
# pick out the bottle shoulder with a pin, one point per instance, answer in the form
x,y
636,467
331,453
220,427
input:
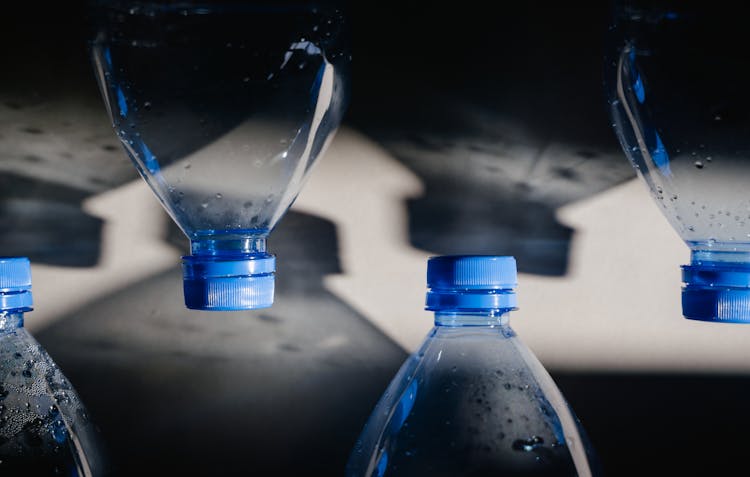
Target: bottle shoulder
x,y
470,400
41,415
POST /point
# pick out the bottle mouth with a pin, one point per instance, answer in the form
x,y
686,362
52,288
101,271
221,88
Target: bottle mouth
x,y
221,283
716,291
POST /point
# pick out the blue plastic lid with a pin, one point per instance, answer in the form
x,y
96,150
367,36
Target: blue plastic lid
x,y
215,283
716,291
471,282
15,284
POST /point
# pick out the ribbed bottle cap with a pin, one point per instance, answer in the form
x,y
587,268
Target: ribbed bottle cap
x,y
221,284
15,284
716,291
471,282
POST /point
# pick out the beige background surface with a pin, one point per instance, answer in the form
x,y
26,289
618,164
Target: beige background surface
x,y
616,309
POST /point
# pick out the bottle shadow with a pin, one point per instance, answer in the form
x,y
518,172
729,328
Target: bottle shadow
x,y
503,124
200,393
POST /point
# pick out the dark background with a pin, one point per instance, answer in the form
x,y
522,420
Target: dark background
x,y
253,393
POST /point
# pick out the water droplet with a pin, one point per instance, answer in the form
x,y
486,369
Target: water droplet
x,y
248,204
528,445
269,77
717,117
699,164
147,105
218,195
691,228
204,205
709,158
188,166
284,154
269,199
258,163
245,79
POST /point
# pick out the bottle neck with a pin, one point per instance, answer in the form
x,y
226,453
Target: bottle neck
x,y
719,253
228,244
478,318
10,320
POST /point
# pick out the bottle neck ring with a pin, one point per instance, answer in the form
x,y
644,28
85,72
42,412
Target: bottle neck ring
x,y
478,318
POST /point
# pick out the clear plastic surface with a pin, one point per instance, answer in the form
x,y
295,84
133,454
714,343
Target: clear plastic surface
x,y
44,427
473,401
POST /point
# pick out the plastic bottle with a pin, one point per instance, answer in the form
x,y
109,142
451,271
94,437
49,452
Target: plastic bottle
x,y
677,76
473,400
44,428
223,108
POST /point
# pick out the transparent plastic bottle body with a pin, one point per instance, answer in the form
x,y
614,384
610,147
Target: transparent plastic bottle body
x,y
223,108
44,428
473,401
677,78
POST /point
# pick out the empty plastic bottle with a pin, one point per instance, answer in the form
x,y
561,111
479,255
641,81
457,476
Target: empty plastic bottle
x,y
677,77
223,107
44,428
473,401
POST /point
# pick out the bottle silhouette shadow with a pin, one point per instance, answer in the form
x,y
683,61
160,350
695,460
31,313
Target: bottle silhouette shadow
x,y
207,393
504,125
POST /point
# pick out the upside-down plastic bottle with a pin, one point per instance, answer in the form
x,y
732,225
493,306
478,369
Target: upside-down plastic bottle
x,y
223,107
677,77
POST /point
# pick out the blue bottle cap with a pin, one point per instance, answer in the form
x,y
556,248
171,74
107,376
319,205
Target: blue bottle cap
x,y
471,282
15,284
716,291
216,283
